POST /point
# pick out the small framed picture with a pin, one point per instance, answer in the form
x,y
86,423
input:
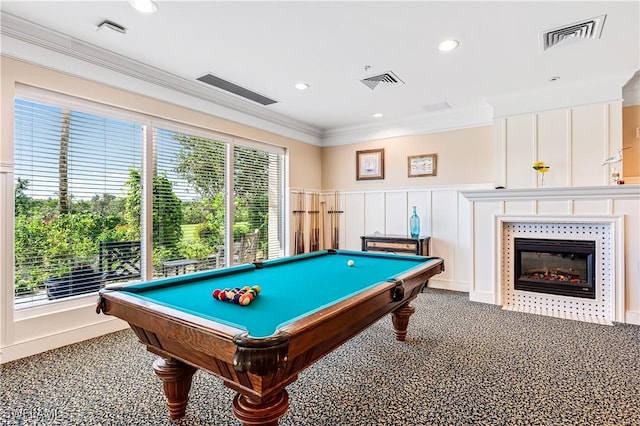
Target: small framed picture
x,y
370,164
422,165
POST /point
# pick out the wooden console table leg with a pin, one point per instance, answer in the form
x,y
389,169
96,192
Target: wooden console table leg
x,y
252,413
176,380
400,319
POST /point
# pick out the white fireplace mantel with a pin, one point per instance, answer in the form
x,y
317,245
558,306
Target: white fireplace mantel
x,y
616,207
564,193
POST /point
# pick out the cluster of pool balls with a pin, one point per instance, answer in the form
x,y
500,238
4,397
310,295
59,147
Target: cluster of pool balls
x,y
241,296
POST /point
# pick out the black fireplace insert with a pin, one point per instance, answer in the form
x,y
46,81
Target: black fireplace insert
x,y
561,267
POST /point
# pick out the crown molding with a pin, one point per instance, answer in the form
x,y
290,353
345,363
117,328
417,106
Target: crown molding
x,y
451,119
559,96
41,46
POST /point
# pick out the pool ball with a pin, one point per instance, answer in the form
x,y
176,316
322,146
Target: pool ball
x,y
351,263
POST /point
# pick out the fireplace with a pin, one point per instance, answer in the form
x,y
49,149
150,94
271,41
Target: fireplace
x,y
560,267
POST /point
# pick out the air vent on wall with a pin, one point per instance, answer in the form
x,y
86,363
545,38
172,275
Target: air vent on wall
x,y
214,81
587,29
388,77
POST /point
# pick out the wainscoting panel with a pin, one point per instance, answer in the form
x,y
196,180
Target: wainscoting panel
x,y
552,133
396,218
354,214
590,140
444,233
374,204
520,138
521,207
590,207
631,274
422,201
463,259
484,235
554,207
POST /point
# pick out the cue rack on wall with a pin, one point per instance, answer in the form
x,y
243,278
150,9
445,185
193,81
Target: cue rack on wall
x,y
319,212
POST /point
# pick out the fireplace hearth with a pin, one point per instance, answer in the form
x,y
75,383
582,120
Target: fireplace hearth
x,y
560,267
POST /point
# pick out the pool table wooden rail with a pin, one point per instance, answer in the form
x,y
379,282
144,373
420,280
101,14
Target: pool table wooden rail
x,y
258,372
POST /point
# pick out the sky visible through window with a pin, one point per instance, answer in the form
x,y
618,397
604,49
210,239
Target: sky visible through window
x,y
101,152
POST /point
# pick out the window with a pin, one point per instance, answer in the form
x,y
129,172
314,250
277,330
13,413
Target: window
x,y
257,190
72,171
216,200
188,202
190,182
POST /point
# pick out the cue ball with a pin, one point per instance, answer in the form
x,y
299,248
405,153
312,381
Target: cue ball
x,y
351,263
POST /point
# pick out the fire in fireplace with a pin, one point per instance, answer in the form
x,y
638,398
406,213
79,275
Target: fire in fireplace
x,y
561,267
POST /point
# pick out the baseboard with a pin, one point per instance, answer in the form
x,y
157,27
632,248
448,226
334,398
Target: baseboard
x,y
449,285
45,343
477,296
632,317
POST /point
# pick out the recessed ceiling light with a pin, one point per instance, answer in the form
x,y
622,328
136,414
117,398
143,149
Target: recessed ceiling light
x,y
301,86
448,45
144,6
378,115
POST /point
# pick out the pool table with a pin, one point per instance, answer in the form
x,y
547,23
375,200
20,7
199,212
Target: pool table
x,y
308,305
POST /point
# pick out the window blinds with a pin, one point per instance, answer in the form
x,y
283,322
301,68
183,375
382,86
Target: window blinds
x,y
188,202
71,174
216,200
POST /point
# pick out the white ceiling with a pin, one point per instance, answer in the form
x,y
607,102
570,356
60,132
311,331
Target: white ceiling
x,y
268,46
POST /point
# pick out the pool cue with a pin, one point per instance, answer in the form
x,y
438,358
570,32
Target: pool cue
x,y
313,236
337,222
302,222
298,248
323,209
331,221
317,223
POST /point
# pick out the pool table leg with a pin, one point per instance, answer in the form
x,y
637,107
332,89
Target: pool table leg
x,y
266,413
400,319
176,380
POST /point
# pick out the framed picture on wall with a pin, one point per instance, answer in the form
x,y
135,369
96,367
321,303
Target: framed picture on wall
x,y
370,164
422,165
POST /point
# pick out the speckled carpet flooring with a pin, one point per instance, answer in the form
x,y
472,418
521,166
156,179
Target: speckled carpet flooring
x,y
464,363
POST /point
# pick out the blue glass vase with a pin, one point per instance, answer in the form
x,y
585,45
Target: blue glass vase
x,y
414,224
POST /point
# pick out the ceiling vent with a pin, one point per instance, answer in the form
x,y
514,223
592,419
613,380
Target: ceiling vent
x,y
440,106
112,26
225,85
584,30
388,77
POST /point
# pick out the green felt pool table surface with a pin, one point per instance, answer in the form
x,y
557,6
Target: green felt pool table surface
x,y
290,288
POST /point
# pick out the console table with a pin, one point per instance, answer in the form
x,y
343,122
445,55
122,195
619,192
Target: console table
x,y
396,244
